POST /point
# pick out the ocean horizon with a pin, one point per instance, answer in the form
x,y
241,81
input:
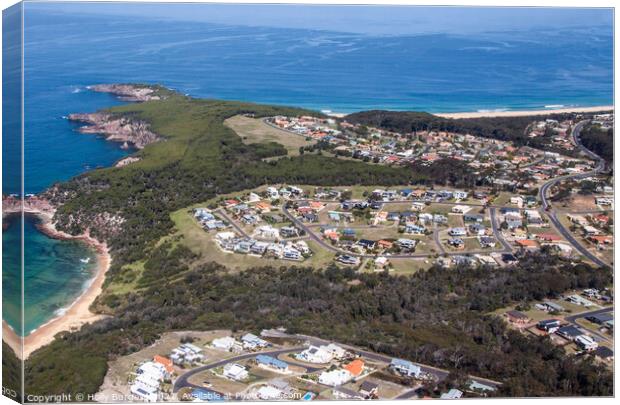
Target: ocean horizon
x,y
323,70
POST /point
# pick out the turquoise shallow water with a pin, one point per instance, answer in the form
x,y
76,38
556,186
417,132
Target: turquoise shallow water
x,y
56,274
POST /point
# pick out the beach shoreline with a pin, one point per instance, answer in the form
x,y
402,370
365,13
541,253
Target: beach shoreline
x,y
506,113
78,312
524,113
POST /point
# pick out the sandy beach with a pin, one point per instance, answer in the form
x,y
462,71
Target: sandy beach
x,y
481,114
78,313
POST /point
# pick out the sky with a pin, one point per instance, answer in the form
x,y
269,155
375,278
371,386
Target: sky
x,y
371,20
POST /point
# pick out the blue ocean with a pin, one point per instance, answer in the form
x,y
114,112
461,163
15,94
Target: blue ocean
x,y
319,69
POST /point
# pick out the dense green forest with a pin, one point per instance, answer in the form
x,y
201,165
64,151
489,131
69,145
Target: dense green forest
x,y
438,317
11,373
599,141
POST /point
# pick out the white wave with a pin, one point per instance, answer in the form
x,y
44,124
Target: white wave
x,y
60,311
555,106
492,110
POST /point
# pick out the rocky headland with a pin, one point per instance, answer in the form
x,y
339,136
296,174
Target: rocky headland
x,y
116,128
128,92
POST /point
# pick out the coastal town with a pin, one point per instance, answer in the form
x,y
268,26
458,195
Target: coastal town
x,y
273,365
276,365
404,229
274,202
557,202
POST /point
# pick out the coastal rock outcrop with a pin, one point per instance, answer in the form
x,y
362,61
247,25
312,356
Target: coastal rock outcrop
x,y
116,128
128,92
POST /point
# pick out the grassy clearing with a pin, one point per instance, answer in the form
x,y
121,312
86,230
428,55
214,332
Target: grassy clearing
x,y
410,266
253,130
127,281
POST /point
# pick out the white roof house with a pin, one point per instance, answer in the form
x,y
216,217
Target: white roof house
x,y
251,341
235,372
152,370
586,342
315,354
224,343
267,232
335,378
267,392
146,393
336,351
452,394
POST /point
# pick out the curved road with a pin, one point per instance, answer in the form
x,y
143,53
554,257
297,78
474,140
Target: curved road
x,y
183,380
542,193
329,247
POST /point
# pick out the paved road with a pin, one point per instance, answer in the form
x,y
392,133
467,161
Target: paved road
x,y
334,249
222,214
600,165
498,232
438,373
183,380
437,240
573,319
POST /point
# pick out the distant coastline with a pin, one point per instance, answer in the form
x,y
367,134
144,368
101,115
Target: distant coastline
x,y
503,113
78,312
524,113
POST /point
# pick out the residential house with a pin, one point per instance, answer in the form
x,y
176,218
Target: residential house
x,y
405,243
453,393
226,343
600,318
369,389
533,217
527,244
271,363
486,241
473,217
166,362
289,232
355,368
461,209
406,368
549,325
315,354
517,317
585,342
253,342
269,393
366,244
290,253
477,229
346,259
459,195
456,243
457,232
513,220
569,332
335,378
235,372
